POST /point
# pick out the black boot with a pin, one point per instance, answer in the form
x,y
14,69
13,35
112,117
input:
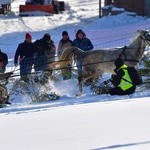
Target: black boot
x,y
7,101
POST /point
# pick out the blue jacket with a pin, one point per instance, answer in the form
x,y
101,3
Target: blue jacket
x,y
85,44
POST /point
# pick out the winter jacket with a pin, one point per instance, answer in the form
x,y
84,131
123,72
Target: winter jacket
x,y
85,44
44,48
44,53
24,51
122,78
64,44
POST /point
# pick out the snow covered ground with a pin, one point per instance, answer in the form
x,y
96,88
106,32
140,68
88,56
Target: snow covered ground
x,y
90,122
120,125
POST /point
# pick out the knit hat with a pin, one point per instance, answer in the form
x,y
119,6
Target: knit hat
x,y
28,35
47,37
64,33
119,62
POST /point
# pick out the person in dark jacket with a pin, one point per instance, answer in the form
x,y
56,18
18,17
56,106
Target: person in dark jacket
x,y
44,52
3,61
121,80
84,44
24,55
63,44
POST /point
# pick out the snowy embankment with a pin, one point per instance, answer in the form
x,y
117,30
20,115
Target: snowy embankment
x,y
121,125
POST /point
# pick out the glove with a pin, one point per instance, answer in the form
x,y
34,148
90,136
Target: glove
x,y
106,82
113,75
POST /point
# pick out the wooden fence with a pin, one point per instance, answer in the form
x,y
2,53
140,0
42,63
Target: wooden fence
x,y
137,6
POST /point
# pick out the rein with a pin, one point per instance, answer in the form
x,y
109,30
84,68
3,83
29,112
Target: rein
x,y
125,57
146,39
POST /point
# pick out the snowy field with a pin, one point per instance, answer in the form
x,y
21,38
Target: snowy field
x,y
91,122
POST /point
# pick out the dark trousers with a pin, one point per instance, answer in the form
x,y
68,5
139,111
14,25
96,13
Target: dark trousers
x,y
79,67
3,69
26,66
119,91
40,63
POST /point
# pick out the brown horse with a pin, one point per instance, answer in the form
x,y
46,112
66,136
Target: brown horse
x,y
96,62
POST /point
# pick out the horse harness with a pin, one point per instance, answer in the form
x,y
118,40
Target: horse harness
x,y
125,57
147,38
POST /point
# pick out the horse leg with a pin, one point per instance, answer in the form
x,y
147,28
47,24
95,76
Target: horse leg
x,y
92,74
80,83
86,75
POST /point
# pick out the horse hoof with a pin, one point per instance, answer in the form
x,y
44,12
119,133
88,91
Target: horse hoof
x,y
78,94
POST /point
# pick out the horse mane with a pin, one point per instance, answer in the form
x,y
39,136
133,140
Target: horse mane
x,y
133,38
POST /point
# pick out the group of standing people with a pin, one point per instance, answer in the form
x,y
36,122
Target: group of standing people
x,y
42,52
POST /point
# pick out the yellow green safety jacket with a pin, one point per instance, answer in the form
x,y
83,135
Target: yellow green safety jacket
x,y
125,82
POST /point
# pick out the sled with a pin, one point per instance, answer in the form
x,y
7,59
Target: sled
x,y
33,8
26,10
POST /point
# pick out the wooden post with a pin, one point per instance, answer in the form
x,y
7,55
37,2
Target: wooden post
x,y
100,8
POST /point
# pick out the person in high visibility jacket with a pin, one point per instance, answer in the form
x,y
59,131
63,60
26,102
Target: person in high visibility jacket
x,y
121,80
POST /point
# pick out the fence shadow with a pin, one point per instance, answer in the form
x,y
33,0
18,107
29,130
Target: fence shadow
x,y
122,145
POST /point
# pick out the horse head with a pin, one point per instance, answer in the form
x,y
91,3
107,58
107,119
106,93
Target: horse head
x,y
145,36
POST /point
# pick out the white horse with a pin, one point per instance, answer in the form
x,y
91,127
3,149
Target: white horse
x,y
96,62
